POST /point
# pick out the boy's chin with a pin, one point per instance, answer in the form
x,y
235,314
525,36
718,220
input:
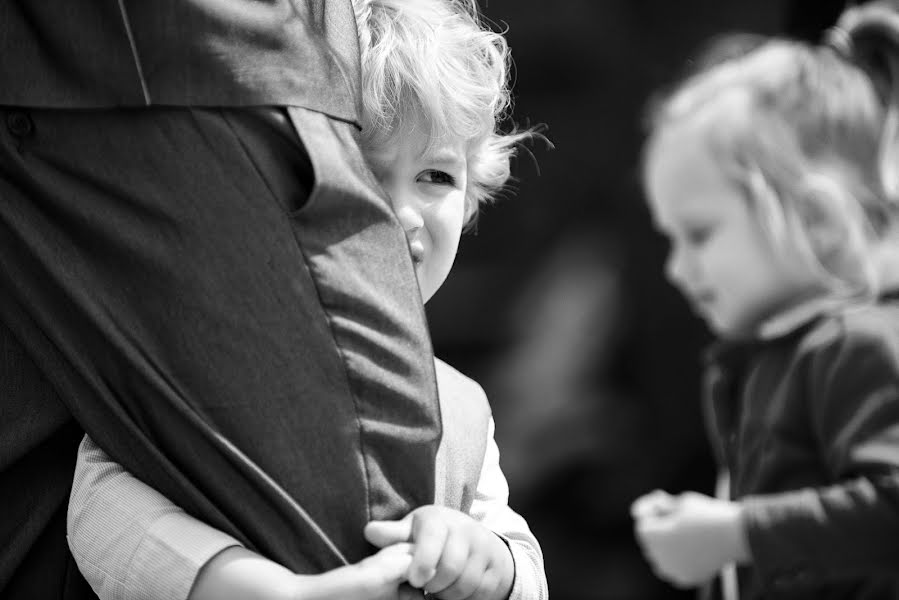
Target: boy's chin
x,y
427,291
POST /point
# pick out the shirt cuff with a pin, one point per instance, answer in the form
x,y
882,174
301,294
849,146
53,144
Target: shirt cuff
x,y
177,545
528,582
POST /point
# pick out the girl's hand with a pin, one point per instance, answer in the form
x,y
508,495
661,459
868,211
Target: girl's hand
x,y
657,503
687,539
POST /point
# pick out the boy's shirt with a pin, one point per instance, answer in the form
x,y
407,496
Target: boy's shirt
x,y
131,542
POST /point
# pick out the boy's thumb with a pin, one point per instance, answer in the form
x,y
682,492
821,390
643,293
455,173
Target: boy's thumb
x,y
385,533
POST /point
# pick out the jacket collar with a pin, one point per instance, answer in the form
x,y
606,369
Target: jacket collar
x,y
782,326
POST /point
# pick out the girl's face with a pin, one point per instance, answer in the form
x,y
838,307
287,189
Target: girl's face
x,y
720,258
426,189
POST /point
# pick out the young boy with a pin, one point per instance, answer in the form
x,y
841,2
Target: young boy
x,y
434,87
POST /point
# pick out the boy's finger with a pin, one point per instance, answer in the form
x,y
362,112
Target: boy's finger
x,y
464,577
454,560
429,537
407,592
386,533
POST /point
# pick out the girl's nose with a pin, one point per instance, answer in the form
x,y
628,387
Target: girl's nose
x,y
676,268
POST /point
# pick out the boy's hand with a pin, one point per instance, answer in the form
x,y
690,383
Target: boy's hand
x,y
453,557
687,539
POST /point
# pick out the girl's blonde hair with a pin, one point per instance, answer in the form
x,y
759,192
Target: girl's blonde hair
x,y
805,132
433,63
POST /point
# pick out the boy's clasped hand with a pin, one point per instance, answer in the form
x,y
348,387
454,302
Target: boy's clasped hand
x,y
452,556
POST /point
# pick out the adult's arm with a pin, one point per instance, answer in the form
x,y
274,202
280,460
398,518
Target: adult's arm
x,y
128,539
130,542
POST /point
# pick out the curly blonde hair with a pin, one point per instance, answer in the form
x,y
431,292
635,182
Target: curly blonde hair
x,y
434,62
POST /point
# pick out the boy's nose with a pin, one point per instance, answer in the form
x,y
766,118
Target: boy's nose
x,y
409,217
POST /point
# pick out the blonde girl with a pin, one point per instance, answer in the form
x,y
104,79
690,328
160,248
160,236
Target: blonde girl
x,y
771,171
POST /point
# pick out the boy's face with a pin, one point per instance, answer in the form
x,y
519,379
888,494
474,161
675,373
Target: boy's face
x,y
720,258
426,189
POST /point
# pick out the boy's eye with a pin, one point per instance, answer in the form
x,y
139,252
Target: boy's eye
x,y
437,177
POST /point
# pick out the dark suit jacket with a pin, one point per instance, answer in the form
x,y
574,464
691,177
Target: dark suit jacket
x,y
95,54
104,53
38,441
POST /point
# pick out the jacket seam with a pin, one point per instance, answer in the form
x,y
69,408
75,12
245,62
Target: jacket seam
x,y
126,21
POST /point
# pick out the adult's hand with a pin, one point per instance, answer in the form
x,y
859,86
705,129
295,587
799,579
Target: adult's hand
x,y
240,574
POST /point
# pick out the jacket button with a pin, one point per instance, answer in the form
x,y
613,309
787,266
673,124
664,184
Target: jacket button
x,y
19,124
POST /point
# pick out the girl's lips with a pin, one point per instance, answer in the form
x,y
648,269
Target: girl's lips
x,y
702,301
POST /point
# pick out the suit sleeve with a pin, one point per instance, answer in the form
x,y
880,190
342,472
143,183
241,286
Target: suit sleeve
x,y
129,541
491,508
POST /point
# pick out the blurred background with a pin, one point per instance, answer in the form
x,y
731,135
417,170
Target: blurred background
x,y
557,304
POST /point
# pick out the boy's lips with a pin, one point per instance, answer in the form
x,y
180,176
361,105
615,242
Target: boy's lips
x,y
417,250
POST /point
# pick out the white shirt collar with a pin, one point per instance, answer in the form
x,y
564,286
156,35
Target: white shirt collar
x,y
791,318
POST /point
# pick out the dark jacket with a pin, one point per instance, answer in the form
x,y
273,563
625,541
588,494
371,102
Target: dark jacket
x,y
95,54
807,424
38,443
105,53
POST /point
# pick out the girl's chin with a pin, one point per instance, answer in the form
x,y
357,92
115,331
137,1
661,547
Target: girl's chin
x,y
718,326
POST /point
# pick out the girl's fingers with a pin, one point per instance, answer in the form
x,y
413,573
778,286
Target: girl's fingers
x,y
654,504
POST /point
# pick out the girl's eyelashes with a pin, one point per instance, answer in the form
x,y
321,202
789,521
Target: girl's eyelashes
x,y
696,236
437,177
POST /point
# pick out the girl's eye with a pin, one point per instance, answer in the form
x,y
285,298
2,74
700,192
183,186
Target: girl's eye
x,y
699,235
437,177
